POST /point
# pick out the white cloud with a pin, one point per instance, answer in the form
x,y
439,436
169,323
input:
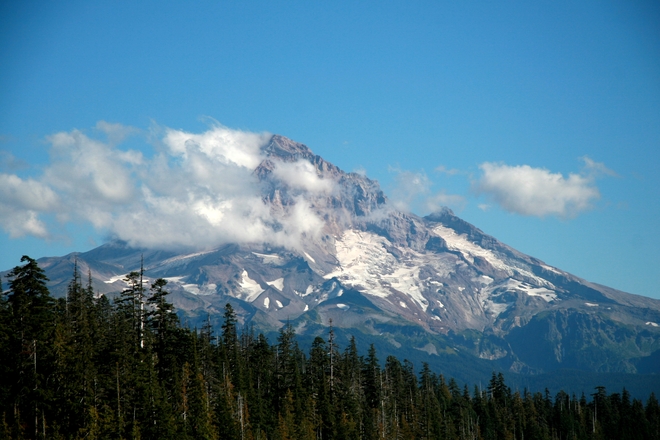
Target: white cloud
x,y
27,194
91,171
537,191
220,144
198,190
20,203
302,175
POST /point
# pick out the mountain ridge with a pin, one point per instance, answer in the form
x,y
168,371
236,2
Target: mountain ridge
x,y
436,283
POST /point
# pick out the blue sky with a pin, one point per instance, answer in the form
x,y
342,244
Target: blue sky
x,y
538,122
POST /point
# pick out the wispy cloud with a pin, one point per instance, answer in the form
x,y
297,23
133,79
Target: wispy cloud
x,y
437,201
448,171
116,133
10,163
596,169
412,190
198,190
302,175
525,190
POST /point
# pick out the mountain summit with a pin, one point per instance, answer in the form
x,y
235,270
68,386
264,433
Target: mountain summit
x,y
435,285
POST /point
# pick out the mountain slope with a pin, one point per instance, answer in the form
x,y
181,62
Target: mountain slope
x,y
435,284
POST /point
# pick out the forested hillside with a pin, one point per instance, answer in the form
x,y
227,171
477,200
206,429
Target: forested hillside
x,y
85,367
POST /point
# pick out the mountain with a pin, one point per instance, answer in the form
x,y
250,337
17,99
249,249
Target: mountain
x,y
436,288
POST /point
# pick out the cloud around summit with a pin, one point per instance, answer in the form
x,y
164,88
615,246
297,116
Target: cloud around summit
x,y
197,190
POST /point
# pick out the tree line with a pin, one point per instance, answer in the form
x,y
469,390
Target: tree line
x,y
85,367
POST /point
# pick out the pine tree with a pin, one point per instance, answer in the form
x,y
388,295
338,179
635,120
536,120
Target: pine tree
x,y
374,419
6,367
31,328
231,347
261,385
318,384
132,303
74,351
653,416
350,393
164,325
430,414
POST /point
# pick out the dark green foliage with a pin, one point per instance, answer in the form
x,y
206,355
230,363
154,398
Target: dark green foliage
x,y
83,367
29,329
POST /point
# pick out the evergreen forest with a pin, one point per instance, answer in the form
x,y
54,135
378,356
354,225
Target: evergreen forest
x,y
86,367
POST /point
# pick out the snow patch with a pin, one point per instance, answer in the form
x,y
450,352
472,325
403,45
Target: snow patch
x,y
436,318
250,287
195,289
278,284
492,299
546,294
406,280
471,250
306,308
309,257
269,258
551,269
176,280
366,265
653,324
279,304
402,304
204,289
495,308
363,259
591,304
343,306
267,302
467,248
512,285
184,257
116,278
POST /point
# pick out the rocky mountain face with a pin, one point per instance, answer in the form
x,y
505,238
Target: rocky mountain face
x,y
435,285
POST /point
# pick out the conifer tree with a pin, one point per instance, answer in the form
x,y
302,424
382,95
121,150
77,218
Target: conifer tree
x,y
430,414
231,347
164,325
374,420
31,328
653,416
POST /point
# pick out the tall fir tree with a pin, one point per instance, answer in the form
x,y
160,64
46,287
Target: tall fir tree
x,y
31,326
